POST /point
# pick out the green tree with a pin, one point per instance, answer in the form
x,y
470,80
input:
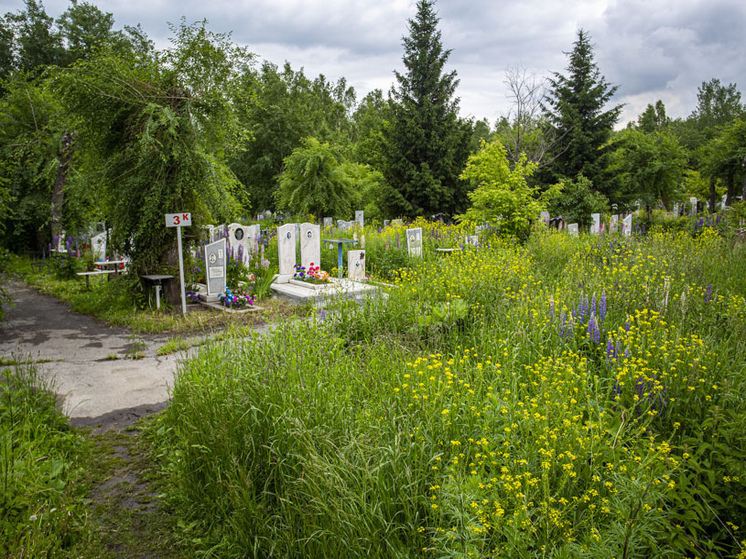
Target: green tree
x,y
30,129
654,118
575,201
426,142
725,161
159,128
37,43
501,195
314,182
649,167
278,109
575,105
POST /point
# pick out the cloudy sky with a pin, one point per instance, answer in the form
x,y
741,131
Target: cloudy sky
x,y
651,49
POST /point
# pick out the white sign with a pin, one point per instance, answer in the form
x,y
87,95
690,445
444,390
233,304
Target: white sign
x,y
179,220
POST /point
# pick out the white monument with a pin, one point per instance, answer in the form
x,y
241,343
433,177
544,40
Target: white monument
x,y
627,225
286,243
98,246
414,241
356,264
572,228
310,245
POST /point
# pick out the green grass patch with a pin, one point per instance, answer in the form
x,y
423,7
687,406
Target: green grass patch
x,y
566,398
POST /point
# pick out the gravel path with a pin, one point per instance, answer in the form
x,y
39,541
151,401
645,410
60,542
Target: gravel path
x,y
87,360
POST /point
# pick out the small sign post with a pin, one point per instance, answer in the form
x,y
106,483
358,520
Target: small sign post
x,y
180,220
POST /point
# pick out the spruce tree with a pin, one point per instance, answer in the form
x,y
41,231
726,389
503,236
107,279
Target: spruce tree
x,y
574,105
426,143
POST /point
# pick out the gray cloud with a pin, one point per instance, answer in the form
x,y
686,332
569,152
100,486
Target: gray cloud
x,y
651,50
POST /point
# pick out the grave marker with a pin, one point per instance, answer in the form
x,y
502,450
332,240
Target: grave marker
x,y
596,226
360,218
414,241
215,263
286,242
98,246
356,264
627,225
572,228
310,245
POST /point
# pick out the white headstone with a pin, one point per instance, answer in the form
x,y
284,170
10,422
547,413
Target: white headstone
x,y
725,199
98,246
627,225
397,223
596,226
414,241
286,242
61,242
386,222
545,217
472,240
215,267
253,232
328,222
310,245
676,209
238,239
360,218
613,223
572,228
356,264
693,202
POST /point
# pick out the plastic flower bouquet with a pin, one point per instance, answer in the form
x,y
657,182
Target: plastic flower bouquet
x,y
235,299
314,274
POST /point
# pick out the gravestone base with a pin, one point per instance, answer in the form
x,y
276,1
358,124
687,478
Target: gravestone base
x,y
205,298
219,307
308,285
338,288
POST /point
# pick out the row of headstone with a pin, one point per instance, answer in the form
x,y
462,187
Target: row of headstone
x,y
288,236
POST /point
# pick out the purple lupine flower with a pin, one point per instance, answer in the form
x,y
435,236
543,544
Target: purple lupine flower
x,y
551,306
610,350
602,307
593,305
563,323
708,293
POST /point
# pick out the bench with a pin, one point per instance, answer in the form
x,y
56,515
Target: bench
x,y
95,273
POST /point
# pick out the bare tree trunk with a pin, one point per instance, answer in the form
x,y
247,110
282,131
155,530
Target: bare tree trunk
x,y
58,192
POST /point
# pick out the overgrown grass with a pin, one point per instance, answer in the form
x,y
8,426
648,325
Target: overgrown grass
x,y
42,511
567,398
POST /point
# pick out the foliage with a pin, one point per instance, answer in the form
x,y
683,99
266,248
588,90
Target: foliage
x,y
279,108
501,196
649,167
426,142
41,501
575,107
575,201
29,134
314,182
155,128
